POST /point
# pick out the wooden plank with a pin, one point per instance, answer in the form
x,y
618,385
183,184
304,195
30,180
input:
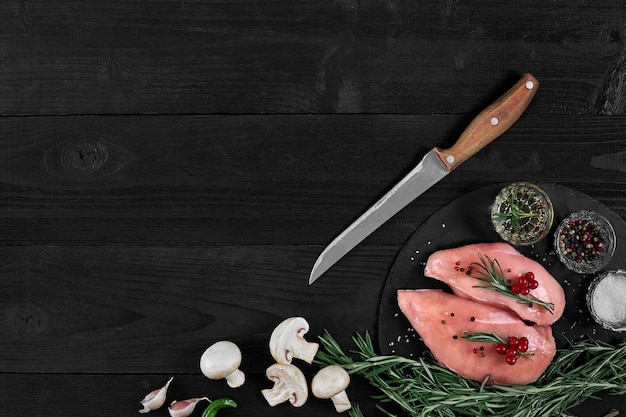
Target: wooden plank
x,y
119,395
122,309
199,57
277,179
90,396
87,329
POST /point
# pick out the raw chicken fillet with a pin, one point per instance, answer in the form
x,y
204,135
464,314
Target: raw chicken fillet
x,y
457,268
442,319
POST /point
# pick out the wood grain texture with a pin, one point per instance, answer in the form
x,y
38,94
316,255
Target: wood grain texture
x,y
51,394
278,179
170,170
91,394
199,57
119,309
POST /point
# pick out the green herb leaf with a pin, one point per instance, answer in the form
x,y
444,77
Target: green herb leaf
x,y
493,338
423,387
490,272
518,211
485,337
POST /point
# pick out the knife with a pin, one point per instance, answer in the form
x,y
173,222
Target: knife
x,y
436,164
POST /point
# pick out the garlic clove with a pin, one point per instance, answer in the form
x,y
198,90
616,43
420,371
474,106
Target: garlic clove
x,y
155,399
185,407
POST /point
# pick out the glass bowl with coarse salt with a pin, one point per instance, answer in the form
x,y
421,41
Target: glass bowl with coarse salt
x,y
605,300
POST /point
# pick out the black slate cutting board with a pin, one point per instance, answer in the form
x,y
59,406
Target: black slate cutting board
x,y
466,220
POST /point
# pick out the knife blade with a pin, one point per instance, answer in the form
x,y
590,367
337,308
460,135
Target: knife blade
x,y
435,165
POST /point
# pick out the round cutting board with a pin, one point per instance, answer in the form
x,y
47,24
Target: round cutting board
x,y
467,220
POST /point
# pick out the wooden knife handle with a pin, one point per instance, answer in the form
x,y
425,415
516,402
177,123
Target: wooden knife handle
x,y
491,122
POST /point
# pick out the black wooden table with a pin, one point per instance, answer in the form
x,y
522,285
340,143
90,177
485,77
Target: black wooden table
x,y
170,171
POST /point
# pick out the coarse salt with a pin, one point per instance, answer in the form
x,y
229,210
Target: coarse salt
x,y
608,299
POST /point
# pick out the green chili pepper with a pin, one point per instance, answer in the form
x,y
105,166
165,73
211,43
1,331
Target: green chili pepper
x,y
217,405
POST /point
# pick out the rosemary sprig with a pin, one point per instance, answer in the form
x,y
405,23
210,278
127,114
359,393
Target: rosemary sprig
x,y
485,337
490,272
517,212
423,388
492,338
355,411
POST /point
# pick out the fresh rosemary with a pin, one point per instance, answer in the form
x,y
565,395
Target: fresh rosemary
x,y
490,271
518,212
422,387
355,411
492,338
485,337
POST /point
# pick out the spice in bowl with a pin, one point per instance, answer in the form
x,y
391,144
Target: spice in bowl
x,y
585,242
522,213
605,300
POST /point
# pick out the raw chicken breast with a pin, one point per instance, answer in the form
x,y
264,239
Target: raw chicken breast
x,y
451,266
441,319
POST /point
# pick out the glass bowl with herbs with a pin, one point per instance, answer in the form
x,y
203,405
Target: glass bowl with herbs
x,y
585,242
522,213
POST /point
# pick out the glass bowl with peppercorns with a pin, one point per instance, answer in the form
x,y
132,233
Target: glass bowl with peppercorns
x,y
522,213
585,242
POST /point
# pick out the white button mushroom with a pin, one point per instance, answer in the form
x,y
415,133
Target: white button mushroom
x,y
331,382
222,360
289,384
288,342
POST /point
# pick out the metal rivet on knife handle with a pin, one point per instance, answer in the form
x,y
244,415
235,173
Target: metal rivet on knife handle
x,y
491,122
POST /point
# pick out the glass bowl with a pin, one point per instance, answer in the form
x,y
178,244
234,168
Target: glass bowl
x,y
585,242
522,213
606,300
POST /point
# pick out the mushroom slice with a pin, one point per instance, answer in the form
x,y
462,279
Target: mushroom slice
x,y
331,382
222,360
289,384
288,342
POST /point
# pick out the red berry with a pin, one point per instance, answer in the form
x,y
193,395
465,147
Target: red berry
x,y
516,288
511,351
529,276
522,344
525,291
511,359
533,284
513,341
523,281
501,348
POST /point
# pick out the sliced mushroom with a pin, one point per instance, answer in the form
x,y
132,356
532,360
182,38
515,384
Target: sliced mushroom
x,y
288,342
331,382
289,384
222,360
